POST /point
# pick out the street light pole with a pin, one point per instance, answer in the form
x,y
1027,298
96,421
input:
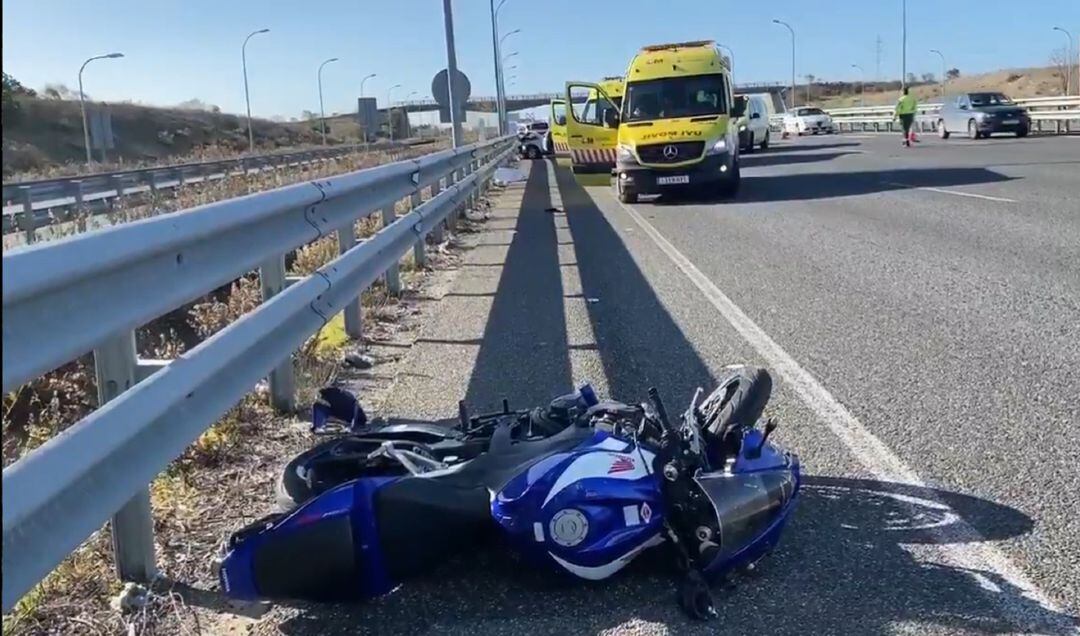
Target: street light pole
x,y
362,83
903,46
322,110
1068,62
781,22
495,60
731,56
82,103
942,56
390,110
247,95
862,84
502,78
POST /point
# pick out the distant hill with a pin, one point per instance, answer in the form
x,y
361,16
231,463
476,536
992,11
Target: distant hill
x,y
47,134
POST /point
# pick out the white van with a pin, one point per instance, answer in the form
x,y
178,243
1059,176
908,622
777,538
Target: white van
x,y
754,124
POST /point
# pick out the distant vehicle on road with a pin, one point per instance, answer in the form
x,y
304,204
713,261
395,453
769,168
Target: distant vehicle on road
x,y
808,120
754,124
534,140
981,115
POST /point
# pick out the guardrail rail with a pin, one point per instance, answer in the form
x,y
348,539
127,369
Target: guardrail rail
x,y
68,199
1062,112
115,279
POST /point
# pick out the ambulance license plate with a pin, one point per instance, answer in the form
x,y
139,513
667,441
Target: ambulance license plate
x,y
682,178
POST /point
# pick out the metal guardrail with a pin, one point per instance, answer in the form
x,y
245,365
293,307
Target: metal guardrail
x,y
119,278
63,199
1059,110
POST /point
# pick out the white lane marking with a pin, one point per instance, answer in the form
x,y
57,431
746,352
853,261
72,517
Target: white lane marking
x,y
975,556
953,192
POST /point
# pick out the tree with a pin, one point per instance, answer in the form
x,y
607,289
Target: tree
x,y
929,78
1062,65
307,115
911,79
12,110
60,91
952,73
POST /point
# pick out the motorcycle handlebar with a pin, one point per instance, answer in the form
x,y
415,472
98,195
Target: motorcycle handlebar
x,y
661,412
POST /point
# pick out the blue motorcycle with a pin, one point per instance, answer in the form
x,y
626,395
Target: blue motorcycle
x,y
616,480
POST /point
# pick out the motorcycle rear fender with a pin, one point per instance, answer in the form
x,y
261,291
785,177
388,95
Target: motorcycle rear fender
x,y
327,549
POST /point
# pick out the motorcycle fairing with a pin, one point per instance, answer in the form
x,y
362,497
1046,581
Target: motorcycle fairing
x,y
589,509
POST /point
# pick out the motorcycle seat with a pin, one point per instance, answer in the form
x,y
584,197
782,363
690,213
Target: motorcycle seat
x,y
437,513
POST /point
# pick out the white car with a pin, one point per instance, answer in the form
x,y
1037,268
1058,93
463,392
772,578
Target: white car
x,y
808,120
534,140
754,124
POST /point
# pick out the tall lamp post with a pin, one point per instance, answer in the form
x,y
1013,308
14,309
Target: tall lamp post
x,y
502,77
390,110
82,102
1068,62
903,45
247,95
782,23
366,78
322,110
862,84
496,59
942,56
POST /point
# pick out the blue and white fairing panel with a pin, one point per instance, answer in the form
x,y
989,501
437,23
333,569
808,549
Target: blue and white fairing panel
x,y
590,509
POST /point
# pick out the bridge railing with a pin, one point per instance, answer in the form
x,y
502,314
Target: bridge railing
x,y
89,292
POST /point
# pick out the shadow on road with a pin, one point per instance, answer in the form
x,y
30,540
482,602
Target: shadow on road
x,y
785,147
843,567
805,187
756,160
639,343
523,354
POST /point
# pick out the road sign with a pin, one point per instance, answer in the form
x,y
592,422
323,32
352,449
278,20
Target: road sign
x,y
440,90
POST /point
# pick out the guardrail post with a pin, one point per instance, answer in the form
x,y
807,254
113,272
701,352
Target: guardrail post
x,y
419,249
353,312
133,524
27,221
179,177
437,231
117,184
282,379
393,273
80,213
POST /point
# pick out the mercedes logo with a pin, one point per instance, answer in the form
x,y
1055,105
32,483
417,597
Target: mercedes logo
x,y
670,152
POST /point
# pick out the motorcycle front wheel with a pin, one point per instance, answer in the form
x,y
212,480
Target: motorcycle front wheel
x,y
739,399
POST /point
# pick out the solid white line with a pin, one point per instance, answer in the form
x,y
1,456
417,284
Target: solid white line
x,y
943,191
976,555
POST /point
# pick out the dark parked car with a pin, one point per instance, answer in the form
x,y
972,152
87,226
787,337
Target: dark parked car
x,y
981,115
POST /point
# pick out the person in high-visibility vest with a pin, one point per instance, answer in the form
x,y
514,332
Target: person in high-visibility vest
x,y
906,107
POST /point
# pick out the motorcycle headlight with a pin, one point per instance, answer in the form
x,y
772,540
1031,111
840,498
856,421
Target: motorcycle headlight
x,y
742,128
719,146
624,153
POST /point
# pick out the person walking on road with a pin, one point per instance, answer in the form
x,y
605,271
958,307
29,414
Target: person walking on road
x,y
906,107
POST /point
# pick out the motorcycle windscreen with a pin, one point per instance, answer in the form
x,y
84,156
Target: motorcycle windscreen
x,y
747,506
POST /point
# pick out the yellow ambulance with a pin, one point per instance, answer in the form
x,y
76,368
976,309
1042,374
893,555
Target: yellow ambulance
x,y
676,128
558,127
592,148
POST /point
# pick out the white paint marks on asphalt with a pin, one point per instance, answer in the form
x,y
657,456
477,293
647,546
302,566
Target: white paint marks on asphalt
x,y
971,195
976,556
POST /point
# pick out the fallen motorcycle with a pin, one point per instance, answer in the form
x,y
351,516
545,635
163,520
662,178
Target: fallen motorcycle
x,y
616,480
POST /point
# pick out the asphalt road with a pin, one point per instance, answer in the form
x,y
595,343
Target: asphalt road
x,y
920,309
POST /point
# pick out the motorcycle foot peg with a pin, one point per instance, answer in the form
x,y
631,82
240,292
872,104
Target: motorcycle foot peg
x,y
696,599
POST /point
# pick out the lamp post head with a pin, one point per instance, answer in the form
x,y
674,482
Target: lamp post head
x,y
114,55
263,31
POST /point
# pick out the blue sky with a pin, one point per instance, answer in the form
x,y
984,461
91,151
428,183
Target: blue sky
x,y
187,49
